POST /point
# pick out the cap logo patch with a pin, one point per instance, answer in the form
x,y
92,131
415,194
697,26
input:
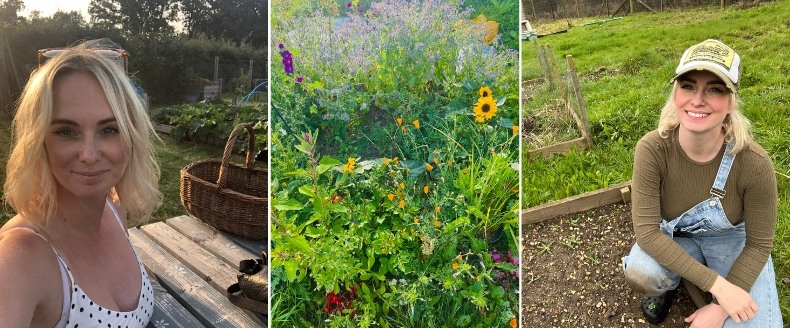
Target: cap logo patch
x,y
711,51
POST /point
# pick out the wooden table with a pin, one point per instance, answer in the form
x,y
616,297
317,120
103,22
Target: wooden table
x,y
193,265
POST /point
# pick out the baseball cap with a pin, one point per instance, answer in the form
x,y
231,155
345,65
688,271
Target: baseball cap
x,y
713,56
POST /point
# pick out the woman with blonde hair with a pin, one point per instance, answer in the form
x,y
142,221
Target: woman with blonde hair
x,y
82,167
705,200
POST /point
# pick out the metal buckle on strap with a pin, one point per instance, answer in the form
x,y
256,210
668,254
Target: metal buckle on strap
x,y
718,193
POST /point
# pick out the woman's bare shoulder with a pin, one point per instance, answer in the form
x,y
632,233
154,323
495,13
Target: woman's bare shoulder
x,y
28,273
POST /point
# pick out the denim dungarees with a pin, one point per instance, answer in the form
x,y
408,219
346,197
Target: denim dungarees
x,y
707,235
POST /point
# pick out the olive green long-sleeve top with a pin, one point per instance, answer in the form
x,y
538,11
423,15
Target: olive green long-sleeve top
x,y
666,183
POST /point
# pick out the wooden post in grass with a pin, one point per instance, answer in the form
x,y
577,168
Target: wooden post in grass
x,y
540,61
549,76
554,69
580,98
216,69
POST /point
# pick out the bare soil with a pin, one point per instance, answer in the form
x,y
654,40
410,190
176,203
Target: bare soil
x,y
572,274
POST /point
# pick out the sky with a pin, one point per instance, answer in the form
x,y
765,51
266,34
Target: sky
x,y
49,7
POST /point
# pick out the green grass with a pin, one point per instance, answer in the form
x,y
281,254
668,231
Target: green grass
x,y
644,49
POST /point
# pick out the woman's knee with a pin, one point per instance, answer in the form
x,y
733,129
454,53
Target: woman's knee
x,y
648,282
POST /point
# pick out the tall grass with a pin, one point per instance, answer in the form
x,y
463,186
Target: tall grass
x,y
642,50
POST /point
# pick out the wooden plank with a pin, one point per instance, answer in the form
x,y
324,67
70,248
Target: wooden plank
x,y
218,273
254,246
208,305
211,239
560,148
168,312
578,203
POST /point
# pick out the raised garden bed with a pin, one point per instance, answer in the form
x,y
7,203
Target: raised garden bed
x,y
572,274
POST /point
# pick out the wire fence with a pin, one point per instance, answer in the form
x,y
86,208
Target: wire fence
x,y
535,10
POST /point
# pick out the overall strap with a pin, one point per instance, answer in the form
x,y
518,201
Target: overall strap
x,y
724,171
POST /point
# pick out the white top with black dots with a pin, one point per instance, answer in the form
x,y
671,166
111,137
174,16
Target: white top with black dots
x,y
80,311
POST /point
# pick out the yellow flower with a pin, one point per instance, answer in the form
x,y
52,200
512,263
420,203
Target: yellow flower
x,y
416,220
395,160
515,129
436,223
403,129
437,209
386,160
391,196
425,189
401,203
459,257
455,266
479,119
416,123
435,151
428,167
349,167
478,277
402,185
485,108
436,160
399,120
449,162
485,92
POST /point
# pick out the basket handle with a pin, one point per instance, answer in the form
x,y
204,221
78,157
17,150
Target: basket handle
x,y
223,177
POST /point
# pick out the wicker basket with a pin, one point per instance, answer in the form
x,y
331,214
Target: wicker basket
x,y
230,197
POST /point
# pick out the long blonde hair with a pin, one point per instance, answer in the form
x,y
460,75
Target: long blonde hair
x,y
737,127
30,188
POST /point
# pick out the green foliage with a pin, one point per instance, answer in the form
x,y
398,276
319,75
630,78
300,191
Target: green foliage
x,y
201,122
396,233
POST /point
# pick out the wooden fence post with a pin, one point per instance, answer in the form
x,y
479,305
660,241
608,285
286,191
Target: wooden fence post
x,y
580,98
216,70
549,75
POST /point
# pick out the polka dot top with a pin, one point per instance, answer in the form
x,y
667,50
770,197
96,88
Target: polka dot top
x,y
80,311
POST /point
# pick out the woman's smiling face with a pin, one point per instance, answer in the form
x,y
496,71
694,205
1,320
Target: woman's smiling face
x,y
83,143
702,102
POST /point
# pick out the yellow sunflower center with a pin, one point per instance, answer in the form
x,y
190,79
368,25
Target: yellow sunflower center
x,y
486,108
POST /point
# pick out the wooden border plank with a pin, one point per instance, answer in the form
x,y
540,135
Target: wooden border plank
x,y
168,311
208,305
218,273
559,148
578,203
211,239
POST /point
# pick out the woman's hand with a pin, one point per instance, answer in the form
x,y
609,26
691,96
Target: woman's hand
x,y
711,315
735,301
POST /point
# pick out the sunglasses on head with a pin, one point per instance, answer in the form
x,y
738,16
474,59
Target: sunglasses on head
x,y
118,56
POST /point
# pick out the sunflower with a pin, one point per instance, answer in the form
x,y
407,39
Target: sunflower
x,y
485,109
485,92
349,167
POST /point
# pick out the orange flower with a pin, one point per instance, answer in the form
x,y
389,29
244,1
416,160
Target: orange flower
x,y
437,209
399,120
478,277
416,123
513,323
416,220
391,196
436,160
425,189
401,203
459,257
436,223
428,167
515,129
455,266
386,160
402,185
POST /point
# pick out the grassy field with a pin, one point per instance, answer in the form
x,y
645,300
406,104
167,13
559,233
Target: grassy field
x,y
172,156
640,53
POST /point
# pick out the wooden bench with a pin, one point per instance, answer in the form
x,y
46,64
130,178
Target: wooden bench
x,y
192,265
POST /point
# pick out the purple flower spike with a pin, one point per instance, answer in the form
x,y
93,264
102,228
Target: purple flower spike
x,y
288,64
299,79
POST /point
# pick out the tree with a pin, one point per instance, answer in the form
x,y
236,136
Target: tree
x,y
9,10
237,20
135,16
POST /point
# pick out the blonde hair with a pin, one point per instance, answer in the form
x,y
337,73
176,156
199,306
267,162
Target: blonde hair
x,y
737,128
30,188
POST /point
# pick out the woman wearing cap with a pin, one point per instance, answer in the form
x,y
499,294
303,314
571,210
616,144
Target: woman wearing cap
x,y
81,165
705,200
